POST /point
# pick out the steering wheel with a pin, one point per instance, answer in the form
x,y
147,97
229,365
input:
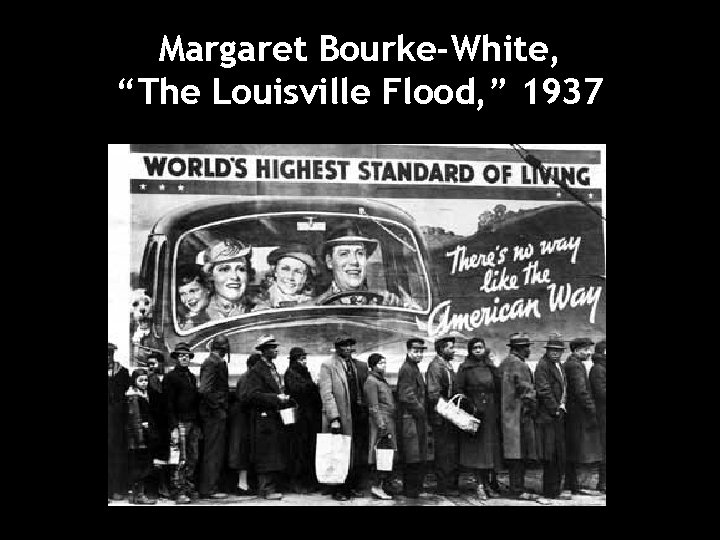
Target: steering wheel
x,y
365,294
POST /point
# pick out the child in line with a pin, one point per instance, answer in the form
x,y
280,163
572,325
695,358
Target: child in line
x,y
141,434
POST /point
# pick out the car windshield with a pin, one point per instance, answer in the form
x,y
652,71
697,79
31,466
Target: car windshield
x,y
245,266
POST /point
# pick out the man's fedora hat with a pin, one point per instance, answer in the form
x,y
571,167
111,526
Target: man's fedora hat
x,y
220,342
297,352
112,347
344,340
581,342
182,348
349,232
601,347
267,340
518,339
225,251
555,341
296,251
417,343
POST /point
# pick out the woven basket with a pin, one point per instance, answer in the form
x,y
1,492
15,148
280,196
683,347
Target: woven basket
x,y
451,411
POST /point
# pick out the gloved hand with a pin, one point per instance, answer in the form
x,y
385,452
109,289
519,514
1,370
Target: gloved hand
x,y
335,427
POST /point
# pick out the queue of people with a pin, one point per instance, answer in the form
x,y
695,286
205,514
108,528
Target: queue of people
x,y
554,416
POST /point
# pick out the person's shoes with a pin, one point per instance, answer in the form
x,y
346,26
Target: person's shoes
x,y
274,496
525,496
449,492
182,499
358,494
340,497
117,497
244,492
564,496
492,493
481,495
544,501
214,496
143,499
380,493
194,495
580,492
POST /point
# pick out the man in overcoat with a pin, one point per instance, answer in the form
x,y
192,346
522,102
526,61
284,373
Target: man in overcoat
x,y
344,410
441,384
517,411
266,396
581,428
597,383
118,384
214,401
413,418
551,390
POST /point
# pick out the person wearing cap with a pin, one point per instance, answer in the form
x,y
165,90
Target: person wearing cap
x,y
551,389
413,418
193,297
341,383
346,252
118,384
304,392
518,406
479,381
441,384
239,441
268,438
294,269
381,407
182,398
214,396
228,270
581,428
597,383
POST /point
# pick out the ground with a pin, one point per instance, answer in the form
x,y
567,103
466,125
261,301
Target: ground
x,y
533,483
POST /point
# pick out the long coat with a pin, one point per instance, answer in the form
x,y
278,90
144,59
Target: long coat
x,y
381,407
518,408
239,440
440,384
335,397
139,436
118,384
159,412
268,437
303,433
479,380
413,418
597,383
581,427
214,387
550,426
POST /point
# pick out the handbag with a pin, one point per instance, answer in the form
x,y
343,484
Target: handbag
x,y
332,458
451,411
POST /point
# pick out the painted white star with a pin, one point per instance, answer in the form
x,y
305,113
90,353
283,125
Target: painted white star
x,y
143,186
590,195
161,187
181,188
559,194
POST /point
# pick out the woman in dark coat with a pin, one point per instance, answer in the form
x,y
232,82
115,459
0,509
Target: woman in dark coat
x,y
597,383
381,406
118,383
142,435
303,433
239,442
479,380
160,450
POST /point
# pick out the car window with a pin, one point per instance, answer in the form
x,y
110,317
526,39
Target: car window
x,y
242,267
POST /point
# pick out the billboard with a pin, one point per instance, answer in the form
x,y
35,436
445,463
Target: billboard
x,y
383,242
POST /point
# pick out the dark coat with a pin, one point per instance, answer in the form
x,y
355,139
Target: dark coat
x,y
441,383
139,437
581,427
303,433
381,407
214,387
550,420
118,384
479,380
159,413
239,440
413,418
518,408
268,437
597,383
181,393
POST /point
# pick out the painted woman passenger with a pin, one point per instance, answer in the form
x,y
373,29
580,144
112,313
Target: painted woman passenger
x,y
227,268
293,276
193,296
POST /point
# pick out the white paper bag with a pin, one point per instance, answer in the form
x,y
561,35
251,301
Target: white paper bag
x,y
332,458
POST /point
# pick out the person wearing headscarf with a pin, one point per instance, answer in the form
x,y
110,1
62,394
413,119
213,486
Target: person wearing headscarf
x,y
301,388
479,380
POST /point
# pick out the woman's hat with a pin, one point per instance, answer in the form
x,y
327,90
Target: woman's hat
x,y
518,339
225,251
297,251
297,352
348,232
182,348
